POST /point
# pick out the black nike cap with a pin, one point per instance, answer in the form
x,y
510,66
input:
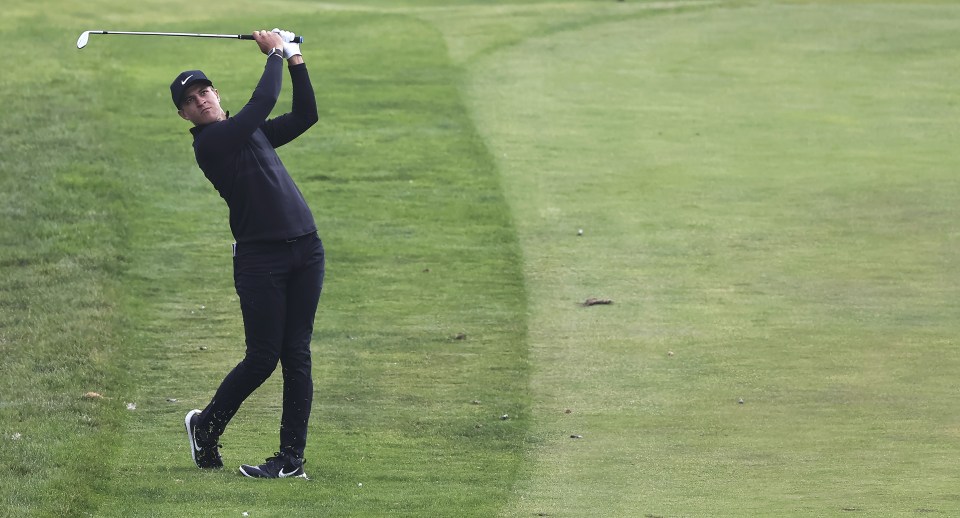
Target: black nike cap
x,y
186,80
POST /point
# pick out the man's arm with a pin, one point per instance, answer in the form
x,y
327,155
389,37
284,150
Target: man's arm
x,y
281,130
303,114
225,136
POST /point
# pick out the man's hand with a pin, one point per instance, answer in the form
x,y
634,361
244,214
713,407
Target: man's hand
x,y
290,48
268,40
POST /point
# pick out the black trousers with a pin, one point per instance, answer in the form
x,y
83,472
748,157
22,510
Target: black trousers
x,y
279,285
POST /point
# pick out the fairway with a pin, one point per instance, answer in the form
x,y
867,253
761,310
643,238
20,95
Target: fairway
x,y
771,203
766,191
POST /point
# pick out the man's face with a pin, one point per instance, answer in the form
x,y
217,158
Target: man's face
x,y
201,105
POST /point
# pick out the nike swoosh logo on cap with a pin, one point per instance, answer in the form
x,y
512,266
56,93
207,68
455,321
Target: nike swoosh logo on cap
x,y
185,80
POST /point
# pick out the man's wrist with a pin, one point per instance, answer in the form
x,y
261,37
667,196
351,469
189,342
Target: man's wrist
x,y
277,51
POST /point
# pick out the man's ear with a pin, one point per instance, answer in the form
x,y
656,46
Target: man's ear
x,y
182,115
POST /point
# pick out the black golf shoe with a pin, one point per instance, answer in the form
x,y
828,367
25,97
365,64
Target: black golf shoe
x,y
281,465
205,452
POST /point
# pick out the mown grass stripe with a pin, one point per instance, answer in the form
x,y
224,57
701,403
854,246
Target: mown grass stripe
x,y
420,250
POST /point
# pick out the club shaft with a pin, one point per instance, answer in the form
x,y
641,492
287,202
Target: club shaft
x,y
296,39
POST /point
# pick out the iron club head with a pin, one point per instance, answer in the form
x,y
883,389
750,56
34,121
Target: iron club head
x,y
82,40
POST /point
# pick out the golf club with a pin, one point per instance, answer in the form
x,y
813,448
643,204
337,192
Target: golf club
x,y
82,41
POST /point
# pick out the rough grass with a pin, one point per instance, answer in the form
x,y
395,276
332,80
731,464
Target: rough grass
x,y
420,249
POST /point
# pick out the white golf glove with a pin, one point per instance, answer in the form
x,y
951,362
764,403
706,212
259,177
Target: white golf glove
x,y
290,48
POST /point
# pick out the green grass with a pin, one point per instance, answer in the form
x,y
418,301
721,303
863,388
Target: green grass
x,y
766,192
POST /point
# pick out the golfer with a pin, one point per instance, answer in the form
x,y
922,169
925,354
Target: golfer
x,y
278,260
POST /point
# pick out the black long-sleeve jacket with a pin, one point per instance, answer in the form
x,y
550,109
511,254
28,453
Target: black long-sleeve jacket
x,y
237,155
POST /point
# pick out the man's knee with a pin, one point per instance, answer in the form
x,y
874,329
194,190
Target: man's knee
x,y
261,363
296,358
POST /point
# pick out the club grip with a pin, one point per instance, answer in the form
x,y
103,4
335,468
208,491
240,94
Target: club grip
x,y
296,39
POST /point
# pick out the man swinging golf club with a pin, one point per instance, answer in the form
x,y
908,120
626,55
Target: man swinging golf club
x,y
278,258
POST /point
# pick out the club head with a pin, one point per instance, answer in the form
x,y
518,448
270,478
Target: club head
x,y
82,41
